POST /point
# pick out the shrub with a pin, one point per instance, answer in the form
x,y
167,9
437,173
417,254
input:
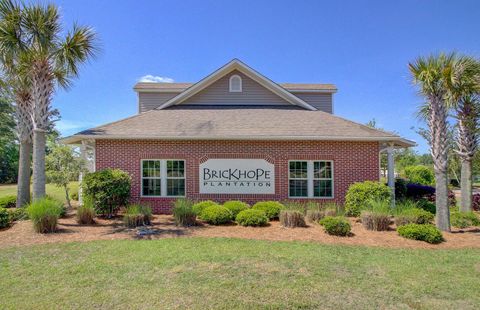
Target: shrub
x,y
44,214
420,174
337,226
108,190
183,213
452,200
137,215
476,202
86,214
417,191
17,214
236,207
359,194
464,219
400,189
373,220
423,232
200,206
289,218
8,201
427,206
271,208
313,216
216,215
252,217
74,196
4,218
413,216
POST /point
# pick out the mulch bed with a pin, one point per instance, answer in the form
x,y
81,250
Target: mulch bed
x,y
21,233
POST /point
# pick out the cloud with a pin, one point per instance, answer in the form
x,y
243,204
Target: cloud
x,y
155,79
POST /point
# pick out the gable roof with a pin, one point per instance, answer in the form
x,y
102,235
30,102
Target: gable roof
x,y
237,123
236,64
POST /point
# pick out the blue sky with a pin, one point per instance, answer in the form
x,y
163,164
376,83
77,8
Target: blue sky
x,y
361,46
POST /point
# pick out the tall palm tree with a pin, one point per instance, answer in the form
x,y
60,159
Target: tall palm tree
x,y
433,75
50,60
11,46
465,102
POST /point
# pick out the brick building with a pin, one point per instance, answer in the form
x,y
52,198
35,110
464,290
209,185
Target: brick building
x,y
238,135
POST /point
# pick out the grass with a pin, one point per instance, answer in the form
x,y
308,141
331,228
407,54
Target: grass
x,y
52,190
230,273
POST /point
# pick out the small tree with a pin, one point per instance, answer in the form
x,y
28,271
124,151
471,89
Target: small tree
x,y
63,165
108,190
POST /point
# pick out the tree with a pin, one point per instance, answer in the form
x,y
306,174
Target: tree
x,y
433,75
8,145
11,47
465,101
63,165
49,61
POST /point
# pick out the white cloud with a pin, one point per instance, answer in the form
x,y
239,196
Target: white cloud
x,y
155,79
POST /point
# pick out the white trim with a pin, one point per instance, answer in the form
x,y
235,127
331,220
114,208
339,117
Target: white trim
x,y
230,84
163,177
310,179
236,64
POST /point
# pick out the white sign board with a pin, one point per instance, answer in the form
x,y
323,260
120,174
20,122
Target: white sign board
x,y
237,176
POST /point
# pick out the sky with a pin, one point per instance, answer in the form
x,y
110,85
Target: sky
x,y
363,47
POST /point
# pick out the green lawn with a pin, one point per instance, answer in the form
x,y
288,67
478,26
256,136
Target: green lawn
x,y
52,190
230,273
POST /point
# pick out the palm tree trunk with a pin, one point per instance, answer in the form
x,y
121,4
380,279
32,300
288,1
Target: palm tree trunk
x,y
23,187
39,141
442,218
466,186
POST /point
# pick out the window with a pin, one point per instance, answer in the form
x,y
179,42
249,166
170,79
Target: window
x,y
310,179
235,84
163,178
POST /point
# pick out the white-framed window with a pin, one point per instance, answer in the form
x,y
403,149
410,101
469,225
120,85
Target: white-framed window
x,y
310,179
163,178
235,84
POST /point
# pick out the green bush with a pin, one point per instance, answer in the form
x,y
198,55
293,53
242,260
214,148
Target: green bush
x,y
423,232
236,207
271,208
74,196
201,205
413,216
360,194
216,215
337,226
108,190
420,174
137,215
464,219
292,218
44,214
252,217
427,206
8,201
17,214
4,218
183,213
86,214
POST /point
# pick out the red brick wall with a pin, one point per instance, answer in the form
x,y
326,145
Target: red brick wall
x,y
353,162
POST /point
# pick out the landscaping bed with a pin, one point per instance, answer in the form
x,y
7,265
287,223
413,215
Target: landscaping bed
x,y
163,226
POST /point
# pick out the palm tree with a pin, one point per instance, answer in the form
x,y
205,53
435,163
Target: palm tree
x,y
465,102
433,75
11,46
50,60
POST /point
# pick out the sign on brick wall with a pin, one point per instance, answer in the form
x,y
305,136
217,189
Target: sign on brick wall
x,y
237,176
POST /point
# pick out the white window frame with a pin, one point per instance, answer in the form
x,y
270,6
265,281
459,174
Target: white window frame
x,y
310,179
230,84
163,178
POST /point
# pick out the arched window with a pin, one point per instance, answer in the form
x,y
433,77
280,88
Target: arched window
x,y
235,84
